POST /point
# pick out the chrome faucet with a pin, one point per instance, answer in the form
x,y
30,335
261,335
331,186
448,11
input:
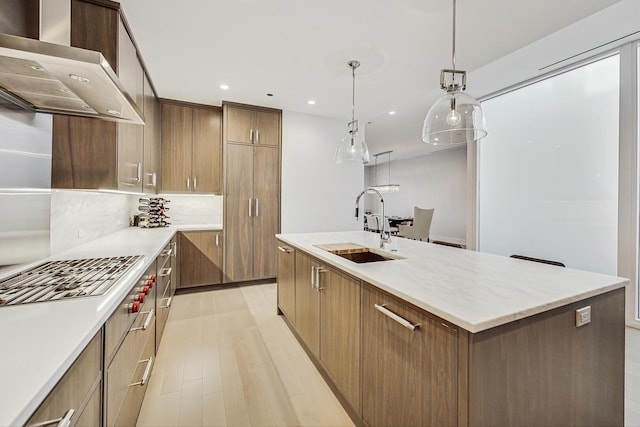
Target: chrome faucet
x,y
384,236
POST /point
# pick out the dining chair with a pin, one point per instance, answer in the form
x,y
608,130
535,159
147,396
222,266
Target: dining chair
x,y
419,230
389,228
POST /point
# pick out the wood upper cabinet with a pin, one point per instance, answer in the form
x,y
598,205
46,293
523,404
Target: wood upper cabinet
x,y
307,300
152,132
409,377
287,281
191,149
90,153
249,125
200,258
340,330
20,18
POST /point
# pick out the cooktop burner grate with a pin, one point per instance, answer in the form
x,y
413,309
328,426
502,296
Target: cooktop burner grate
x,y
59,280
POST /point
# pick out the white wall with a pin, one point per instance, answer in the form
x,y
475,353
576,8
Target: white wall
x,y
437,181
317,194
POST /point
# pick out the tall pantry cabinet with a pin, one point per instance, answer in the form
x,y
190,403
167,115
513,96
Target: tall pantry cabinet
x,y
252,138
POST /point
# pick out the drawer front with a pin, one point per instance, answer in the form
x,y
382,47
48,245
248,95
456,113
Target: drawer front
x,y
91,413
121,320
125,369
135,394
74,387
162,313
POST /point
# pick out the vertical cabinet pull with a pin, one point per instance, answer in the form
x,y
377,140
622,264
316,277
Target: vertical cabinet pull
x,y
249,207
175,249
257,136
217,240
318,271
313,277
154,179
188,183
139,172
257,207
65,421
251,135
195,182
404,322
147,372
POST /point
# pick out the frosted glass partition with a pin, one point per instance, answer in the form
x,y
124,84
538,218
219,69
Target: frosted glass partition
x,y
548,171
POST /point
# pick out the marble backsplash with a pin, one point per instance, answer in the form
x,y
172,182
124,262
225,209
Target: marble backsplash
x,y
194,209
78,217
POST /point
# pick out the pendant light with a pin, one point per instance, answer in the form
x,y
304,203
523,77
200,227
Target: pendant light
x,y
352,148
456,118
388,187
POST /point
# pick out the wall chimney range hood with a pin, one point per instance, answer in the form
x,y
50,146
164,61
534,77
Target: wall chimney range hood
x,y
54,78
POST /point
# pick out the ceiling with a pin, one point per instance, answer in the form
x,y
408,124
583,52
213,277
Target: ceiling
x,y
298,50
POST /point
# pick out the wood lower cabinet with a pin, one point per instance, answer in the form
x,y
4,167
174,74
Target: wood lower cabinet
x,y
200,258
340,330
287,281
191,148
78,390
307,297
409,377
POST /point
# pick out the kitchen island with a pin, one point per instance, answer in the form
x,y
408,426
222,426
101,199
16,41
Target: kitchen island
x,y
443,336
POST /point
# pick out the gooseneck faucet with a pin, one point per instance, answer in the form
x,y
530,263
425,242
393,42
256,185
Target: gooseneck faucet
x,y
384,236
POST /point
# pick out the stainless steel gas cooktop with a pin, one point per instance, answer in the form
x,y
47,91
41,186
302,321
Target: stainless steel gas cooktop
x,y
60,280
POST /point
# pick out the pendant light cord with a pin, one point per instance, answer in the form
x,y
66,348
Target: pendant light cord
x,y
353,92
453,50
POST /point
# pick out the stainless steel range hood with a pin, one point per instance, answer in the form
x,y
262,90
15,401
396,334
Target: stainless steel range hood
x,y
54,78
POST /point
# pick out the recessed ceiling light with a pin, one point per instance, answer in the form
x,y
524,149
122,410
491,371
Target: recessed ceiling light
x,y
114,112
311,102
392,113
224,87
269,94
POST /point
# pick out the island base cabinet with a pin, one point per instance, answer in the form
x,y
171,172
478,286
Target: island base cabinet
x,y
543,370
307,303
200,258
286,278
409,377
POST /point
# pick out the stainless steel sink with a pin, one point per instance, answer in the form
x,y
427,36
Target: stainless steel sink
x,y
356,253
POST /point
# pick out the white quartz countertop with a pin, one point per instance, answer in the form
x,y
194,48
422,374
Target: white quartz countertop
x,y
40,341
473,290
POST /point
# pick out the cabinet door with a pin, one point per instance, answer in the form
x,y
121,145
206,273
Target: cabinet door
x,y
239,211
409,378
176,148
130,153
152,131
340,331
206,159
20,18
267,128
266,201
130,71
84,153
307,303
200,258
95,27
287,281
240,125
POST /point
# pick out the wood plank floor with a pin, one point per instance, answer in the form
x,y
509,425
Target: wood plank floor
x,y
227,359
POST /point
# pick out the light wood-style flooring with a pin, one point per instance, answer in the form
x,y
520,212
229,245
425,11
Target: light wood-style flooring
x,y
227,359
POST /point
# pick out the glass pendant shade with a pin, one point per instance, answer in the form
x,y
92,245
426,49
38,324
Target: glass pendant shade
x,y
456,118
352,148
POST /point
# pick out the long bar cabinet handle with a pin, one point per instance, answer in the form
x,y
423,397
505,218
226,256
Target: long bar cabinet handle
x,y
284,249
147,372
64,421
188,183
313,277
250,214
217,240
165,272
195,182
257,207
318,271
258,136
139,172
404,322
147,322
175,249
251,135
168,302
154,179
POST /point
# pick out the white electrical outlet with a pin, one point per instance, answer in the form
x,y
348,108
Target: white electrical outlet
x,y
583,316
